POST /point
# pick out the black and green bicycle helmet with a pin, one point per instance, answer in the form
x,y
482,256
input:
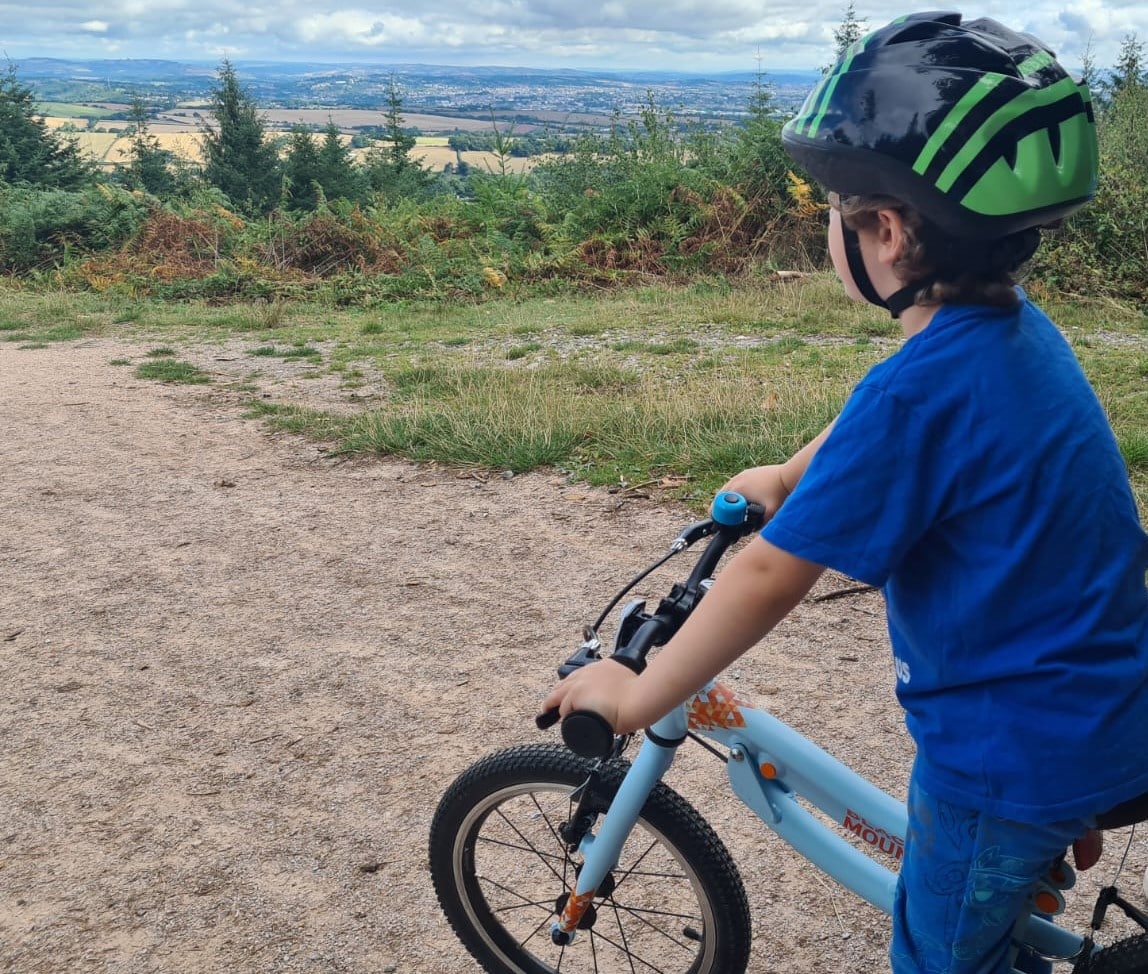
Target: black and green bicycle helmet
x,y
976,126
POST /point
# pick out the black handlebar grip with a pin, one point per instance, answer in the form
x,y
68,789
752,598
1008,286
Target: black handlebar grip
x,y
587,734
547,719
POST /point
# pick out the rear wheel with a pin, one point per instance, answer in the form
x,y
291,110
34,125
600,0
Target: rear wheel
x,y
501,869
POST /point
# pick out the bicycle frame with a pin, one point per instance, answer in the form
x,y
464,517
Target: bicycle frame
x,y
770,766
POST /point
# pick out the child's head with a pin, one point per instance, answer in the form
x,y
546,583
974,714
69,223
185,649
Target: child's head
x,y
971,134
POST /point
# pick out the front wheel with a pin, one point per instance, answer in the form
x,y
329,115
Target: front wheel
x,y
1128,956
502,870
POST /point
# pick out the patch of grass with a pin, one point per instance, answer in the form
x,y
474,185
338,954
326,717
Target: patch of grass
x,y
120,361
521,351
59,333
606,423
301,352
679,346
312,423
172,370
162,352
1134,449
32,346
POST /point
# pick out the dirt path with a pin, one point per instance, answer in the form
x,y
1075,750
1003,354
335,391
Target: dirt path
x,y
238,676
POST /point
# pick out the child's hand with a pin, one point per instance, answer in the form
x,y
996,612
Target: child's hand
x,y
761,485
602,687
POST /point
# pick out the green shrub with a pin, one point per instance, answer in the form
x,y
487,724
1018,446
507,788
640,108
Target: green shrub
x,y
1103,249
41,228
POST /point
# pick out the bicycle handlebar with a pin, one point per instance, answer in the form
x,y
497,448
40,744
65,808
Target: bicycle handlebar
x,y
589,734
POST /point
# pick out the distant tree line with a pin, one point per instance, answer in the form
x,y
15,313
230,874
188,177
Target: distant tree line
x,y
274,212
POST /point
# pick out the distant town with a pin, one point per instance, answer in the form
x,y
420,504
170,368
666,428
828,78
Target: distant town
x,y
566,99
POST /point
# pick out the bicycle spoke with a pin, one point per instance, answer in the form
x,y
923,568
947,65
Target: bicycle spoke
x,y
521,848
560,876
546,904
655,875
546,816
534,933
630,870
631,957
625,943
636,913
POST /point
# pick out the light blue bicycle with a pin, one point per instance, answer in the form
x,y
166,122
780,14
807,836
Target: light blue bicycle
x,y
569,860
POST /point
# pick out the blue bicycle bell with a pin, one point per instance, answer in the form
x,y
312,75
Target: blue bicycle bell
x,y
729,509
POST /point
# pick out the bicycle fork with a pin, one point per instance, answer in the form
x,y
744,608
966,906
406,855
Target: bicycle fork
x,y
601,852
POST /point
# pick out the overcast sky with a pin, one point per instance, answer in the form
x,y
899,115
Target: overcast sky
x,y
702,35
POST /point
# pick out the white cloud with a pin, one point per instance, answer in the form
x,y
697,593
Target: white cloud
x,y
670,34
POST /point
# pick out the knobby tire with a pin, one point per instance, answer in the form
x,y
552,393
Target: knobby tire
x,y
500,869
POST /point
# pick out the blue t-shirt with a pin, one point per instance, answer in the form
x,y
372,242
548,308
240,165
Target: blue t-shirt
x,y
974,477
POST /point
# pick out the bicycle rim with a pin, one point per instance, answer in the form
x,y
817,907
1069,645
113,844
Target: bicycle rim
x,y
509,869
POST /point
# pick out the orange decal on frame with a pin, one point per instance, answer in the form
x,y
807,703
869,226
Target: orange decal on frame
x,y
718,707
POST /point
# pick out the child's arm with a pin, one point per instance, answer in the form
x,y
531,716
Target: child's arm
x,y
750,596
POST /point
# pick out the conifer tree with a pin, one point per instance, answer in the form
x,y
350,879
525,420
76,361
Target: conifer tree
x,y
337,173
1130,69
150,166
391,170
30,153
240,160
849,31
302,169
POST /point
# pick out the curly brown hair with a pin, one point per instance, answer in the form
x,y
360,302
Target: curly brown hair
x,y
951,270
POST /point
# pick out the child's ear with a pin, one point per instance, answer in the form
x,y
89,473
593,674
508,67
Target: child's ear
x,y
890,237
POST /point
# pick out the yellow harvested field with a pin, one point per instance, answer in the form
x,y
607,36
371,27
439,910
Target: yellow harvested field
x,y
435,157
110,149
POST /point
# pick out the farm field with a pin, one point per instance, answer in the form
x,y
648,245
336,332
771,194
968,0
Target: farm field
x,y
178,131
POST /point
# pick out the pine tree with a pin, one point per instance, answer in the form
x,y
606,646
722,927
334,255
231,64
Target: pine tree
x,y
391,171
302,169
400,141
240,160
337,173
1129,71
850,30
150,166
30,153
1089,74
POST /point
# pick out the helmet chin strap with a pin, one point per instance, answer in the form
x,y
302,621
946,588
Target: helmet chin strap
x,y
895,303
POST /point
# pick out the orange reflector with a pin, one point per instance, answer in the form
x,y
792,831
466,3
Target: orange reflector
x,y
768,770
1046,902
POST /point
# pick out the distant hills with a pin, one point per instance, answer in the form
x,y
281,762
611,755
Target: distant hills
x,y
506,91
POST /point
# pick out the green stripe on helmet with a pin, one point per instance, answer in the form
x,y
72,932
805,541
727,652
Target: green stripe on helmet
x,y
821,101
818,114
1033,64
973,97
1011,112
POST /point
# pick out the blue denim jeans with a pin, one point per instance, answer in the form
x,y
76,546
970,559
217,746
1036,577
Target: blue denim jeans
x,y
965,880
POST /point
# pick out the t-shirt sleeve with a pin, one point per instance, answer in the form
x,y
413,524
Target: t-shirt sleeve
x,y
869,493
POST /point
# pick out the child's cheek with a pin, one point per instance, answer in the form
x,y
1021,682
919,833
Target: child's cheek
x,y
837,255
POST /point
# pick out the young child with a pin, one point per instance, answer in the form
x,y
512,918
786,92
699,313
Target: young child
x,y
972,476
